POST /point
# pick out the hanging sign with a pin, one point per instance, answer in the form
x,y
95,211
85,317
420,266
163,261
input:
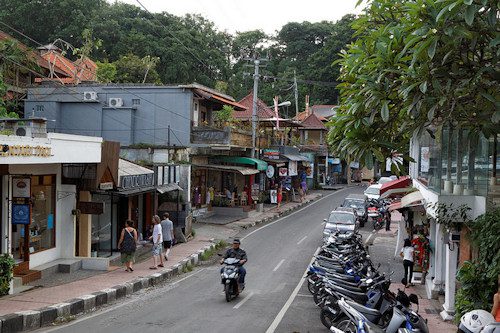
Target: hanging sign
x,y
21,187
292,168
270,171
21,214
283,172
271,154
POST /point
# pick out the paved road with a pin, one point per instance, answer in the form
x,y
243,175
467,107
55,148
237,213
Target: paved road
x,y
278,253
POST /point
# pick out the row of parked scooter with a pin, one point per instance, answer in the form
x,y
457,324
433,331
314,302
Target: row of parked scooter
x,y
353,296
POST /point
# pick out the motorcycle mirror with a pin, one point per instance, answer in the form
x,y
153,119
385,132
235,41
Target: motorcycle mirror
x,y
413,298
324,220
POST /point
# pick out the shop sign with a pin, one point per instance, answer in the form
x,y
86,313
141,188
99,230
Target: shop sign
x,y
270,171
292,168
283,172
106,186
271,154
310,171
90,207
21,214
25,150
131,181
333,160
21,187
273,196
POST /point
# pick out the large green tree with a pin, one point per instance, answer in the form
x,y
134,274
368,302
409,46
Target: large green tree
x,y
415,64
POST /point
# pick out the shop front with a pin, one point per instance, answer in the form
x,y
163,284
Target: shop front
x,y
225,185
288,169
38,220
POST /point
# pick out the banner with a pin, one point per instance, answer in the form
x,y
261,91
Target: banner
x,y
292,168
424,159
21,187
283,172
274,196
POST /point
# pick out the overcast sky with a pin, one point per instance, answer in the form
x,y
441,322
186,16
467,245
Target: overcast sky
x,y
268,15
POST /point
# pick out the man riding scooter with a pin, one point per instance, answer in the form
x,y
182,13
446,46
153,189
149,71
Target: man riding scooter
x,y
237,253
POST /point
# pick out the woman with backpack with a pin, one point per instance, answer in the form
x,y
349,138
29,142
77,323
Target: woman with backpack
x,y
127,245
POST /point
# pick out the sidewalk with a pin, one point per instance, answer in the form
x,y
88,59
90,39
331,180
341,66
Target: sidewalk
x,y
382,248
42,306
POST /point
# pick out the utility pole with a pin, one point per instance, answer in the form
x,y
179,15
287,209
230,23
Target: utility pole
x,y
296,93
256,63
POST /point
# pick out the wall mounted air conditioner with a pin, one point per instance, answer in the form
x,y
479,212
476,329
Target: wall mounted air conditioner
x,y
115,102
90,96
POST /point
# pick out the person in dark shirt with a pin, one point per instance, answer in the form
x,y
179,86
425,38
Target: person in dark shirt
x,y
238,253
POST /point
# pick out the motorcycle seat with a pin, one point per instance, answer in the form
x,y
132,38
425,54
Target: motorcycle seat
x,y
344,277
356,296
341,282
373,315
346,286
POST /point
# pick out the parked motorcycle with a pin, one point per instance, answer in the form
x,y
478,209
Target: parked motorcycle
x,y
353,296
478,321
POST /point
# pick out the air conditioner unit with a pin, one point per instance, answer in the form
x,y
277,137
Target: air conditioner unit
x,y
90,96
115,102
23,130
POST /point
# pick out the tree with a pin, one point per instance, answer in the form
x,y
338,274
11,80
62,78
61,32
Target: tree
x,y
4,111
415,64
106,71
132,69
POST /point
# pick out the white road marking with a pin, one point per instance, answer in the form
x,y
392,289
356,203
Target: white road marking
x,y
237,306
304,295
297,211
300,241
278,265
290,300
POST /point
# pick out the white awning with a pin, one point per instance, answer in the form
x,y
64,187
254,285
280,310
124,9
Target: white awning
x,y
411,199
229,168
126,168
168,188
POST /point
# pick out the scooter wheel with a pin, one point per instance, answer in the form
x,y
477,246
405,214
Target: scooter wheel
x,y
327,318
227,290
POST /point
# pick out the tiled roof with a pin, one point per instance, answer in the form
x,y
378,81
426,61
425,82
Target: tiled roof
x,y
263,111
42,62
303,115
313,122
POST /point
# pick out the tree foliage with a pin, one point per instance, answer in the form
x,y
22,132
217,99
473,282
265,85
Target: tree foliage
x,y
416,63
189,48
478,278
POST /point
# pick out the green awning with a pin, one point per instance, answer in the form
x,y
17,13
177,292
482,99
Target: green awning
x,y
258,164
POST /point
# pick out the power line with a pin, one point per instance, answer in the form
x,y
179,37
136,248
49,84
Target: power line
x,y
19,32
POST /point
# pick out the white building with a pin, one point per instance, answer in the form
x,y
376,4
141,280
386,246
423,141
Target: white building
x,y
450,168
38,209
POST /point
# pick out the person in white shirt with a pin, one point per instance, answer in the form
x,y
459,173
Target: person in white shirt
x,y
407,255
157,239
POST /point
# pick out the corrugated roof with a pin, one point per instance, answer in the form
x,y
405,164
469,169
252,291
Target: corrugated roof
x,y
127,168
211,96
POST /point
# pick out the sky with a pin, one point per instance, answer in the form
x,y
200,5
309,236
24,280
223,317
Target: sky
x,y
267,15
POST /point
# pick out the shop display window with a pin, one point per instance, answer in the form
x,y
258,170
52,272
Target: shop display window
x,y
42,228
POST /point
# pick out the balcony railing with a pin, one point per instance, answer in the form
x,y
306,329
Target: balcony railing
x,y
224,136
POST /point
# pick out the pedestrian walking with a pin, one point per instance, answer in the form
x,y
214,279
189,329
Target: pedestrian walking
x,y
167,228
128,244
280,196
407,255
157,239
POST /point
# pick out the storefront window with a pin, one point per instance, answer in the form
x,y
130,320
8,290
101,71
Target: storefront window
x,y
430,165
42,228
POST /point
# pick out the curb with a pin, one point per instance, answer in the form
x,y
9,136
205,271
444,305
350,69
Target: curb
x,y
283,213
62,312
